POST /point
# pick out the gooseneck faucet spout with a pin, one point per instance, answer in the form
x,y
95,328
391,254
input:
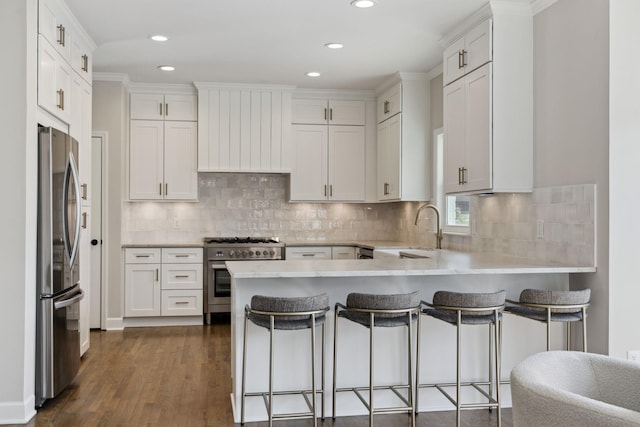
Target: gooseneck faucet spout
x,y
438,225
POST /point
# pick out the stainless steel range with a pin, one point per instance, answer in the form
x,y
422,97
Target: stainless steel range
x,y
217,250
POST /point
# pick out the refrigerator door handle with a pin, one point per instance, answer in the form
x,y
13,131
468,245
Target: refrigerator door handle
x,y
71,173
76,297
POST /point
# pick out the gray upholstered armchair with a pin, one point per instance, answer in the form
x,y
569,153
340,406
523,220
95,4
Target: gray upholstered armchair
x,y
562,388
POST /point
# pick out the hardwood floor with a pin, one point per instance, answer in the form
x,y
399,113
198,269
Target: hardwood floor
x,y
179,376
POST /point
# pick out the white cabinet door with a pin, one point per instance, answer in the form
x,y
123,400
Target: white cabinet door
x,y
55,25
390,102
180,161
309,111
346,163
468,53
181,107
85,280
454,135
142,290
54,81
346,113
467,128
81,58
309,174
479,149
157,106
146,160
389,152
146,106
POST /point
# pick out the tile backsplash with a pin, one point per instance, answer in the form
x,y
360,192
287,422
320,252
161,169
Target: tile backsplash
x,y
239,204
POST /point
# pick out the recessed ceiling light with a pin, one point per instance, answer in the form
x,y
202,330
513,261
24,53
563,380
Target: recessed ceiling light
x,y
363,3
166,67
313,74
334,45
159,38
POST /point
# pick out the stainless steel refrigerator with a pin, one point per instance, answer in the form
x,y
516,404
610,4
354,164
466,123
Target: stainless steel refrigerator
x,y
58,292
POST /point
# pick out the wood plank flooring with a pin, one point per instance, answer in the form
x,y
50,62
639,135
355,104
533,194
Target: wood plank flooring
x,y
179,376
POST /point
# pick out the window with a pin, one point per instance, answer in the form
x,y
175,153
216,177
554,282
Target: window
x,y
455,209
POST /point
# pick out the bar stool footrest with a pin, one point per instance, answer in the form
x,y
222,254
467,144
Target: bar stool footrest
x,y
393,388
304,393
492,403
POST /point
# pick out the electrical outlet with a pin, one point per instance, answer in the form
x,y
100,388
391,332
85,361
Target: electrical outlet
x,y
633,355
540,229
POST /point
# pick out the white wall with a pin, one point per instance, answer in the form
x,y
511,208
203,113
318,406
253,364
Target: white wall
x,y
109,115
18,217
624,158
571,126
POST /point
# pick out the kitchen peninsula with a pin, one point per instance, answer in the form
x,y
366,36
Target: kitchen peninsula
x,y
447,270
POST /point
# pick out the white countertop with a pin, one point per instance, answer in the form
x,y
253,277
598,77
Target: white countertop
x,y
442,262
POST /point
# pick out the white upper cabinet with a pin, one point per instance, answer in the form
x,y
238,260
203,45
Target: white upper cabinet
x,y
468,52
488,112
390,102
162,160
64,48
321,111
158,106
404,141
243,128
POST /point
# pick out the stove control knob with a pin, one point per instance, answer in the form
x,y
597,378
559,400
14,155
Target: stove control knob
x,y
250,253
231,253
272,252
265,253
244,253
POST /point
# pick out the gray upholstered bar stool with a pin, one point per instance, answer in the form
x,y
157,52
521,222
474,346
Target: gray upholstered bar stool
x,y
285,313
370,311
554,306
459,309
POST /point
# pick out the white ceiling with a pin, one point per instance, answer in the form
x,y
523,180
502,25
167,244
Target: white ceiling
x,y
269,41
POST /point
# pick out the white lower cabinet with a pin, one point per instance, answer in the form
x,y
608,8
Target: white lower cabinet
x,y
320,252
163,282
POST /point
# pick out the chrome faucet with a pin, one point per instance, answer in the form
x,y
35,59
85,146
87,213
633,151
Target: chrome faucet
x,y
438,226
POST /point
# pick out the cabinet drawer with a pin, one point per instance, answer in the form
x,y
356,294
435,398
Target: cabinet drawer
x,y
182,303
308,252
142,255
182,255
343,252
181,276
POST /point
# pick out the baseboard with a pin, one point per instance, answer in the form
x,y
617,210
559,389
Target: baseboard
x,y
114,324
17,412
135,322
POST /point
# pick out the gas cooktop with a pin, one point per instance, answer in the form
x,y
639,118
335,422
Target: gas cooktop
x,y
236,240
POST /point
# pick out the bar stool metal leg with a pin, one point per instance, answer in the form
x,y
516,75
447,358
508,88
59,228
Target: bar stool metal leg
x,y
371,406
270,406
313,370
244,368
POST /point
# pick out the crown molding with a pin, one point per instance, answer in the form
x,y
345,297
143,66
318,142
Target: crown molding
x,y
111,77
538,6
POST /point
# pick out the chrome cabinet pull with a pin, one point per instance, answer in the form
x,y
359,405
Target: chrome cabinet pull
x,y
182,256
85,63
182,276
386,189
61,35
84,191
325,191
462,58
157,274
143,256
166,110
182,302
331,190
161,108
60,103
166,189
330,113
386,107
160,189
308,254
325,114
84,220
459,176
